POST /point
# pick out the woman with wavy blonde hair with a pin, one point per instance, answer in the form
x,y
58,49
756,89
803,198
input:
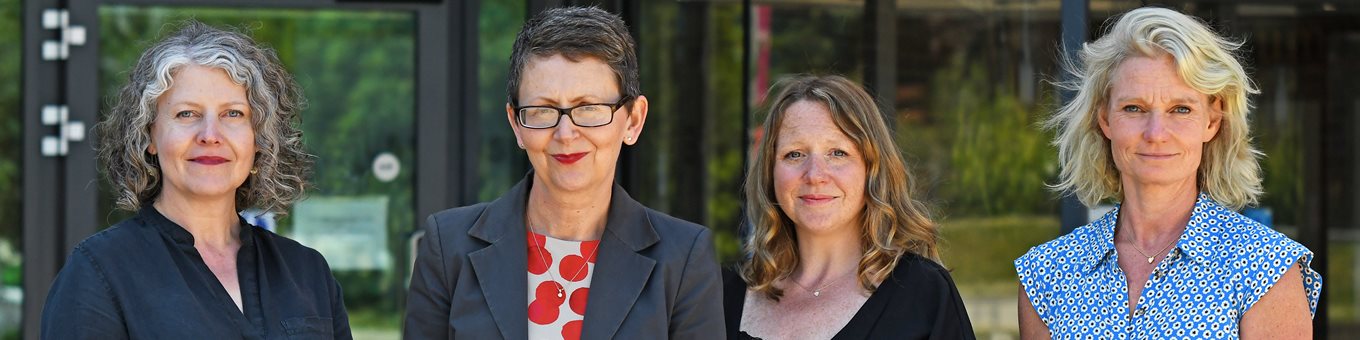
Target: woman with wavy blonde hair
x,y
206,126
1159,126
840,247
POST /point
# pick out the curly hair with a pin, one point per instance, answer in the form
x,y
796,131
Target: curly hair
x,y
282,165
895,222
1230,172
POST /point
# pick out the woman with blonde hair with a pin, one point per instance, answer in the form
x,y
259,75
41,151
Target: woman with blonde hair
x,y
840,248
1159,125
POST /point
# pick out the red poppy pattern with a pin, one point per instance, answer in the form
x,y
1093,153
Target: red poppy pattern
x,y
558,266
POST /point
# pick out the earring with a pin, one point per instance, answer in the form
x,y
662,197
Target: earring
x,y
521,145
628,139
254,171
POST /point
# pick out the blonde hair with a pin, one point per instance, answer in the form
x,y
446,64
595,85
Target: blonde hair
x,y
894,222
1229,171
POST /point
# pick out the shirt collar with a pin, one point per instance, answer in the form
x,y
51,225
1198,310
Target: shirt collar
x,y
1194,243
182,237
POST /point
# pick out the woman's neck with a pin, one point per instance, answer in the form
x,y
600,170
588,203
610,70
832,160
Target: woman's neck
x,y
1151,216
576,216
213,223
829,256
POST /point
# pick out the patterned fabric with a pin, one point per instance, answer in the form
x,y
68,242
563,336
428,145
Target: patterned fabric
x,y
1222,264
559,282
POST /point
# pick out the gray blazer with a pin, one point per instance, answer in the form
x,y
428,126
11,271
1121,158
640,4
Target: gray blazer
x,y
656,276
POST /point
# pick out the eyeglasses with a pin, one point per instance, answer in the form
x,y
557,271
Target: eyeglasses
x,y
584,115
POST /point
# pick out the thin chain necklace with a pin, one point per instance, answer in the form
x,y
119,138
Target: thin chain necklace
x,y
1140,251
561,290
818,291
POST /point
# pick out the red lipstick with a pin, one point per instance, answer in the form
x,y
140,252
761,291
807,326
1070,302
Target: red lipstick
x,y
208,160
569,157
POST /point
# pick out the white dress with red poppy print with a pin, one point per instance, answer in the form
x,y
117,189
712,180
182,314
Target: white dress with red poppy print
x,y
558,264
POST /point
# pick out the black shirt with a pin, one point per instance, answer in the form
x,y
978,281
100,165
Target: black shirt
x,y
917,301
143,279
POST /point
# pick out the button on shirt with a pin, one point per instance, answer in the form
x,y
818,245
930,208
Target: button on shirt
x,y
1222,264
143,279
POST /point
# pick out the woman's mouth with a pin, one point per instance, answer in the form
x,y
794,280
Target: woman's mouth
x,y
208,160
816,199
569,158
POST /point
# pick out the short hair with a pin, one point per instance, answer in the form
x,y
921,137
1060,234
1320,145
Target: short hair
x,y
276,102
1229,171
895,222
576,33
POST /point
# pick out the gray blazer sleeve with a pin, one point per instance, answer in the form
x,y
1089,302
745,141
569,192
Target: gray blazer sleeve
x,y
427,303
698,312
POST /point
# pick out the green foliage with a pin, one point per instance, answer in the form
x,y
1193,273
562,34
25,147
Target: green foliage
x,y
980,249
11,124
984,148
500,163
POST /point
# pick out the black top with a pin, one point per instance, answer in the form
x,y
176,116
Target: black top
x,y
917,301
143,279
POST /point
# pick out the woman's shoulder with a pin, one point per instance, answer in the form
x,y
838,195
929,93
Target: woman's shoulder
x,y
667,224
126,235
919,273
1079,244
457,218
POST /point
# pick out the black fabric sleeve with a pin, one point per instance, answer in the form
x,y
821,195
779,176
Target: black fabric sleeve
x,y
81,304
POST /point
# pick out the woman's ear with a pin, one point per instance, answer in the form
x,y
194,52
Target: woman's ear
x,y
514,126
637,117
1215,118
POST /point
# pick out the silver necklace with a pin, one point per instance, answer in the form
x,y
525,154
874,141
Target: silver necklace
x,y
1134,243
818,291
561,290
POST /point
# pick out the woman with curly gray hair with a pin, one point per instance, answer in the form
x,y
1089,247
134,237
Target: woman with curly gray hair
x,y
1159,125
205,127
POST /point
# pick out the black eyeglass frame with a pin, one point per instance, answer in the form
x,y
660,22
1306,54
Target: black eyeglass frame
x,y
614,107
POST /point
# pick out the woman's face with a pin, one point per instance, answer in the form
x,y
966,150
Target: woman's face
x,y
819,173
567,157
1157,125
202,135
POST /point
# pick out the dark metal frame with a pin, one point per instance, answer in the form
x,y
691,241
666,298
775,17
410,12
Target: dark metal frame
x,y
55,220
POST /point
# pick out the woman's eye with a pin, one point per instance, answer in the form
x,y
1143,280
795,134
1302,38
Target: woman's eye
x,y
1180,109
1132,108
839,153
184,114
235,113
793,155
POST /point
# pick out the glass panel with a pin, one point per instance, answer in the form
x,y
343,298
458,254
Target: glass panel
x,y
691,152
500,163
11,171
357,71
970,91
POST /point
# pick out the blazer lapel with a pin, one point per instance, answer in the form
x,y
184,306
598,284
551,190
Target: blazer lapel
x,y
501,267
620,271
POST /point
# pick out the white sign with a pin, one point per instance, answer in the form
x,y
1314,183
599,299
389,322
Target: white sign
x,y
350,231
386,167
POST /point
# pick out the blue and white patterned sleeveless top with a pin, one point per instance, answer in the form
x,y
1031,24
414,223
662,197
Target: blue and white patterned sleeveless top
x,y
1222,265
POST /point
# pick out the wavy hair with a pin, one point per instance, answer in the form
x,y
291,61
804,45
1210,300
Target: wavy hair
x,y
1229,173
895,223
282,165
